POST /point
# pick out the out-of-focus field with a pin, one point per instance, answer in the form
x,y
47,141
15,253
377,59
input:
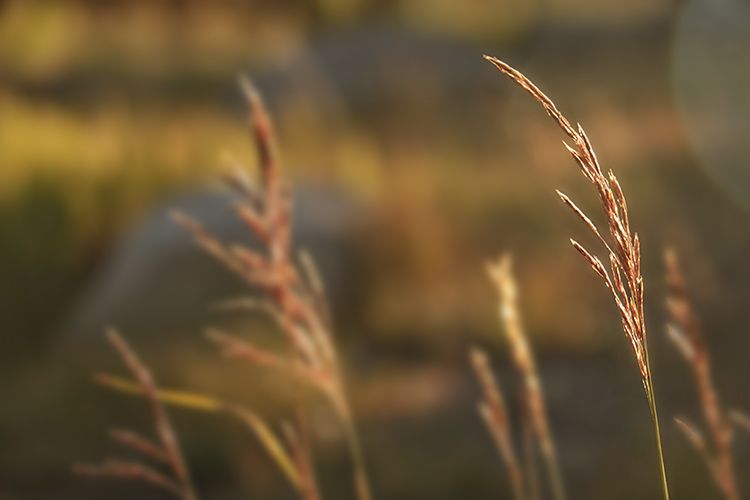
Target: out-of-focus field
x,y
418,162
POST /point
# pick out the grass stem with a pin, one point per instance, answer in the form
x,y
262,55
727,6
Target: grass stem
x,y
657,431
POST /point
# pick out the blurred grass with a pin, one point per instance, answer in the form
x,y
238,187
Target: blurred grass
x,y
106,108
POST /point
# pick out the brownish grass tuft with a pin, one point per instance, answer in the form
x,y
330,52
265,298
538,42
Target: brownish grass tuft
x,y
294,297
164,452
289,450
685,332
537,433
494,413
292,291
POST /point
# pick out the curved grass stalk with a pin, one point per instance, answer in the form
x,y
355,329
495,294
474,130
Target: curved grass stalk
x,y
623,247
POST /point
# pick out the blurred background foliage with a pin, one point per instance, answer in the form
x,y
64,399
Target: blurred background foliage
x,y
113,111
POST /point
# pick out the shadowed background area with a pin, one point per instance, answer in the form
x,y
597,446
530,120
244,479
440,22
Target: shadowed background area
x,y
412,162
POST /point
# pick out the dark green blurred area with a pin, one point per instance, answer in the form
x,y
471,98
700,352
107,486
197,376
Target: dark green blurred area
x,y
111,112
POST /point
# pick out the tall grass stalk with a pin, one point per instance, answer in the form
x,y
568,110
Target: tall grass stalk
x,y
291,289
622,247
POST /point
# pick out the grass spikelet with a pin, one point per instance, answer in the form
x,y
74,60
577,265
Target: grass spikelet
x,y
493,412
165,451
292,458
501,273
622,246
293,291
686,333
740,420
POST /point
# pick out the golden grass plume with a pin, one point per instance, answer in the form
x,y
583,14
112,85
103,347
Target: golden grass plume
x,y
623,248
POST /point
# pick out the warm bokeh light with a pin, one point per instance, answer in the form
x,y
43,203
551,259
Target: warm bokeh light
x,y
412,164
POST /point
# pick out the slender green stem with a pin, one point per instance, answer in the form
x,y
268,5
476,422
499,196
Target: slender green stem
x,y
657,432
655,418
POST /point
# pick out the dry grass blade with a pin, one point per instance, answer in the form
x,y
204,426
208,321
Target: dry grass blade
x,y
740,420
167,437
686,333
142,445
132,471
693,435
293,292
698,442
300,475
622,246
493,412
235,348
167,450
298,438
501,273
271,444
182,399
